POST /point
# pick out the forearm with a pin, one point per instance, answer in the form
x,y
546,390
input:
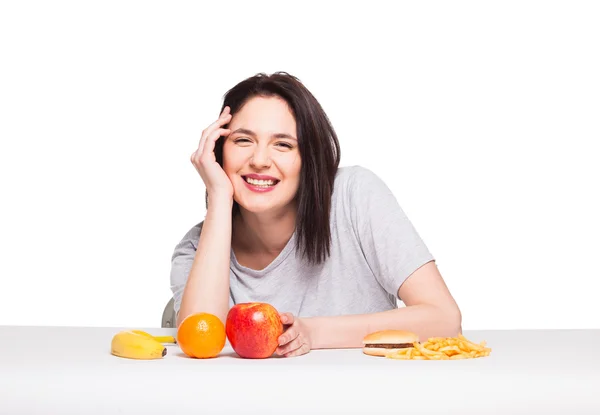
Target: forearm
x,y
207,287
348,331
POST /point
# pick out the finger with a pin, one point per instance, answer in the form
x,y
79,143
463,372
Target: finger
x,y
222,120
209,143
290,346
209,133
225,116
303,349
286,318
288,336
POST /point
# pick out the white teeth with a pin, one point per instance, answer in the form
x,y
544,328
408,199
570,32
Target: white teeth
x,y
260,182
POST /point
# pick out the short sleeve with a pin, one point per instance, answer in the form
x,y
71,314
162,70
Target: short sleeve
x,y
391,245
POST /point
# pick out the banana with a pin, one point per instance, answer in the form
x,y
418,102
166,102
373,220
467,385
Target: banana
x,y
136,346
161,339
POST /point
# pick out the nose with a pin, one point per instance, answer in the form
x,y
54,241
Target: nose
x,y
260,158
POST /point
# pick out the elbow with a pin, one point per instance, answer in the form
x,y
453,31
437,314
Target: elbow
x,y
455,321
451,319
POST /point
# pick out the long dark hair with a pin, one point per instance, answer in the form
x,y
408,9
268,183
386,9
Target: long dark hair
x,y
319,152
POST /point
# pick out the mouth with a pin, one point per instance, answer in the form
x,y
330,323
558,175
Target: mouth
x,y
260,185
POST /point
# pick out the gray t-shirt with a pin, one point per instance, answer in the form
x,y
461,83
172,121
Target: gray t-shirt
x,y
374,249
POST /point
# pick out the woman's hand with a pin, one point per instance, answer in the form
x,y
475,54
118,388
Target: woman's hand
x,y
216,181
296,338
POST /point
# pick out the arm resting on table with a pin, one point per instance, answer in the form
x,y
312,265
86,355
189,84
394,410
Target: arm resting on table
x,y
430,312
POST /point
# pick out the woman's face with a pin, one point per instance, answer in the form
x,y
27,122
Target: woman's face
x,y
263,143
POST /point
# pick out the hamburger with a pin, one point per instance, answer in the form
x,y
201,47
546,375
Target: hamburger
x,y
380,343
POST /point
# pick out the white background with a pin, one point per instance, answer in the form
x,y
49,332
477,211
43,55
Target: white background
x,y
483,118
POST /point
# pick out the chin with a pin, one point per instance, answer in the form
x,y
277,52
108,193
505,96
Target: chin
x,y
259,207
260,204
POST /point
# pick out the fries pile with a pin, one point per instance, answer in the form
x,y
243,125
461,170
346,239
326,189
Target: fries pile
x,y
442,348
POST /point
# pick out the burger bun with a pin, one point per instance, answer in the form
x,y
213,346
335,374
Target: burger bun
x,y
388,337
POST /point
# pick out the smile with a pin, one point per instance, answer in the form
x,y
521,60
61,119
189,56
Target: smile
x,y
260,186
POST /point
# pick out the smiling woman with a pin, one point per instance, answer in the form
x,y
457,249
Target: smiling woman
x,y
260,157
329,247
278,121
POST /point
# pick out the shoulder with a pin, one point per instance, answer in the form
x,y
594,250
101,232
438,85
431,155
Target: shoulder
x,y
356,178
189,242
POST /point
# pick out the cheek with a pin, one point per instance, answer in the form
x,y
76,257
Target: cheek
x,y
230,158
290,164
296,170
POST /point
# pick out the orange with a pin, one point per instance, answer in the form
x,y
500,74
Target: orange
x,y
201,335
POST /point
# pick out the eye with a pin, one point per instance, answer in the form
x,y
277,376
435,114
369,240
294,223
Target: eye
x,y
242,140
286,145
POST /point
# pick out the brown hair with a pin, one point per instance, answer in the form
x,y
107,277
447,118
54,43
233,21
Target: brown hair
x,y
319,152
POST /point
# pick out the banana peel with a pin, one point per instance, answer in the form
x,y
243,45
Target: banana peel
x,y
138,344
131,345
160,339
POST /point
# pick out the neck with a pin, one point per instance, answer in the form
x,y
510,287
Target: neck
x,y
267,232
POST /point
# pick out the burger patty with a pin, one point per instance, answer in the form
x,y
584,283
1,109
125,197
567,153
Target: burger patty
x,y
389,346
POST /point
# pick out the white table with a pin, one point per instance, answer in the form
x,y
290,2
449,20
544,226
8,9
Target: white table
x,y
69,370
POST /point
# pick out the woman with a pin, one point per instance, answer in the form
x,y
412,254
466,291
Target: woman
x,y
328,247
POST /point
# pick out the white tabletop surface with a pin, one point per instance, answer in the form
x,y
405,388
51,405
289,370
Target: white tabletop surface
x,y
69,370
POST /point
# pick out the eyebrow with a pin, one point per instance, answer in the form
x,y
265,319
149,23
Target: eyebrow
x,y
253,134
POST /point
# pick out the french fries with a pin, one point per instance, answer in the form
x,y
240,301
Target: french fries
x,y
442,348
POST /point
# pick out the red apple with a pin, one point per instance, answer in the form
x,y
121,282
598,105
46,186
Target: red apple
x,y
253,329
